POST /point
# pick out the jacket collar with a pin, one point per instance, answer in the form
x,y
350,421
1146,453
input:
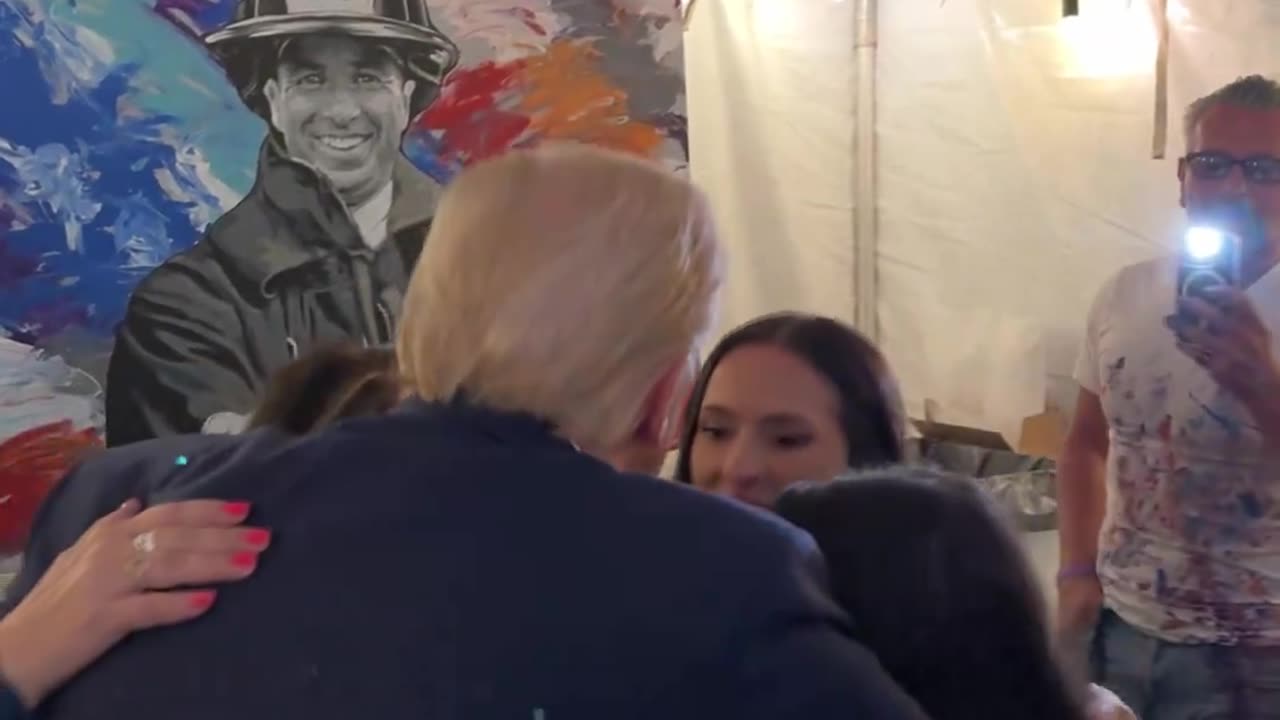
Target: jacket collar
x,y
315,221
506,427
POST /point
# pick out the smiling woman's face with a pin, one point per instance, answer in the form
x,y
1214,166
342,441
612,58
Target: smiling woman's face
x,y
768,420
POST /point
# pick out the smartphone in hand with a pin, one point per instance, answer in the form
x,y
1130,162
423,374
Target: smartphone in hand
x,y
1210,257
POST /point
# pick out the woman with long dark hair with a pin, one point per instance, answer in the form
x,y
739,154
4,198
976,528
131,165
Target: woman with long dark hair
x,y
787,398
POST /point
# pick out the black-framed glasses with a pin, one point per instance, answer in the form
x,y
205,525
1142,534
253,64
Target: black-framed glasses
x,y
1214,165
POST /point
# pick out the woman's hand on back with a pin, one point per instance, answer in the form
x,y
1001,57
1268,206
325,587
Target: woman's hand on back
x,y
116,579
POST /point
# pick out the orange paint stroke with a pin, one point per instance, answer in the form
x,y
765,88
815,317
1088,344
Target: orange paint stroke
x,y
567,98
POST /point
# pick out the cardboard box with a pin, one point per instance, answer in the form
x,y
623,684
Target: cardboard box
x,y
941,432
1043,434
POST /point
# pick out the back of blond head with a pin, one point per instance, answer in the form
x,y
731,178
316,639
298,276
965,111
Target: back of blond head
x,y
561,281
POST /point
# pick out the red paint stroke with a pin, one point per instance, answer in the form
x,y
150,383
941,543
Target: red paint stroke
x,y
32,463
559,94
468,117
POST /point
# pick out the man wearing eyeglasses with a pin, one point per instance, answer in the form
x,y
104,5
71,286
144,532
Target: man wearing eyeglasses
x,y
1169,482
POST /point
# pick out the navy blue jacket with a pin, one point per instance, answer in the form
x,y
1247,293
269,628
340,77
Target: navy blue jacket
x,y
108,478
447,562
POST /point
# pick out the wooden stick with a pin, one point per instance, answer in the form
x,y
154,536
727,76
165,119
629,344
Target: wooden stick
x,y
688,13
1160,134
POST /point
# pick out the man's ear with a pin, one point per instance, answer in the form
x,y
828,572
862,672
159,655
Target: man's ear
x,y
679,411
272,92
406,92
659,418
406,104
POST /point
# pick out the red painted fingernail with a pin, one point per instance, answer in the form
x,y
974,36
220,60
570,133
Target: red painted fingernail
x,y
236,509
257,537
244,559
203,599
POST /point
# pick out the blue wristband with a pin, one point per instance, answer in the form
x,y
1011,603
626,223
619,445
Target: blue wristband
x,y
1079,570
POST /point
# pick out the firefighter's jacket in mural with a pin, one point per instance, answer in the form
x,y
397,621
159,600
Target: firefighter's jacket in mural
x,y
284,271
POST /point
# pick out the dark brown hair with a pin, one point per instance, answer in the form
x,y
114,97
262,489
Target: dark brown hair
x,y
327,385
870,409
937,586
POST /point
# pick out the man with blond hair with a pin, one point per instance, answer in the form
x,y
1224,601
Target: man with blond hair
x,y
474,555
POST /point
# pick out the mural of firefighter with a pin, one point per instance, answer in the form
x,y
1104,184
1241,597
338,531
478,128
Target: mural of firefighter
x,y
198,191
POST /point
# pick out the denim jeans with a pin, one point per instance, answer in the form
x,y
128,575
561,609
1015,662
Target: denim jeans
x,y
1167,681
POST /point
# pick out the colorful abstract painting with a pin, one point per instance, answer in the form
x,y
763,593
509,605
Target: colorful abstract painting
x,y
134,131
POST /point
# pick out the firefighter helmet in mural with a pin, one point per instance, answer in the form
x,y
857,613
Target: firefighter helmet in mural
x,y
248,46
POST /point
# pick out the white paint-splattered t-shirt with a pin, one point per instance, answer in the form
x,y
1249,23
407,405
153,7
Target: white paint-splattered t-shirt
x,y
1190,547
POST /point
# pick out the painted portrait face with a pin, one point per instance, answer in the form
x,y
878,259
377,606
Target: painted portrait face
x,y
341,106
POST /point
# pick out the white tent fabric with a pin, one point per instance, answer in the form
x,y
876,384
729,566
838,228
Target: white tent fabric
x,y
771,116
1015,169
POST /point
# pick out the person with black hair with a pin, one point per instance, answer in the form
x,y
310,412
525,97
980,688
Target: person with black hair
x,y
331,384
786,398
940,590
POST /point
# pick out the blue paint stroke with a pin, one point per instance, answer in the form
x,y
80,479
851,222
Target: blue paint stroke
x,y
1230,426
104,173
1250,504
423,150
